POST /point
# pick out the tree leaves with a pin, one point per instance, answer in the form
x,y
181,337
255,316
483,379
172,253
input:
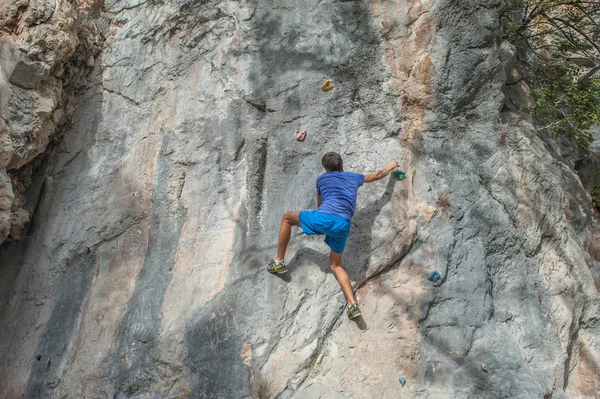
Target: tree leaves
x,y
557,37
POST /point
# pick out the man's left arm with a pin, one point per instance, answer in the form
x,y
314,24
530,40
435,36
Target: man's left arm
x,y
319,200
381,173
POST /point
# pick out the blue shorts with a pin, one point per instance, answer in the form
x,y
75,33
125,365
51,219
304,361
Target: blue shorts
x,y
335,228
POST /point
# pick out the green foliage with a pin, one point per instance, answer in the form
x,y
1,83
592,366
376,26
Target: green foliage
x,y
596,198
568,105
512,30
562,39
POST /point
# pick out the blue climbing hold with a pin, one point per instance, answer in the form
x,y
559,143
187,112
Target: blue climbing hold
x,y
402,381
434,276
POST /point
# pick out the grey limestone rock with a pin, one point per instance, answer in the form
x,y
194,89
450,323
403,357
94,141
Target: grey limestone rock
x,y
45,50
142,272
28,74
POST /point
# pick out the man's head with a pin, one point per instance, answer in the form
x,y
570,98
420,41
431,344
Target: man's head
x,y
332,162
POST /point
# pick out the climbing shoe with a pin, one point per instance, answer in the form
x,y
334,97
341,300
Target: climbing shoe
x,y
353,311
274,267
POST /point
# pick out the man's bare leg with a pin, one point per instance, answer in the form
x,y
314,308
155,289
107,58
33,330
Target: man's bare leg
x,y
288,220
335,262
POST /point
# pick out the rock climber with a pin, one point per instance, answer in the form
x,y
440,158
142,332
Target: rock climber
x,y
336,201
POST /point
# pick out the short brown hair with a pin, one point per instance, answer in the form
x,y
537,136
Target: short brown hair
x,y
332,162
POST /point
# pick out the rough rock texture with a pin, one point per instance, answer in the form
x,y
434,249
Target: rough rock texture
x,y
40,72
142,274
588,169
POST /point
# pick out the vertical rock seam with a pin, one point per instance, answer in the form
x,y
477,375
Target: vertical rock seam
x,y
133,361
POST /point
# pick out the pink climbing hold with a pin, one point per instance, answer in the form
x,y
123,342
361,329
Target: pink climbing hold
x,y
301,136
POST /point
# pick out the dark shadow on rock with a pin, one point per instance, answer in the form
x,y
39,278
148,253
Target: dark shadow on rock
x,y
468,367
358,254
287,277
140,328
62,325
319,258
360,323
213,341
72,273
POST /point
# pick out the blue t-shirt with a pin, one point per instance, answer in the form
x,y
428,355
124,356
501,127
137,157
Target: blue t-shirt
x,y
338,191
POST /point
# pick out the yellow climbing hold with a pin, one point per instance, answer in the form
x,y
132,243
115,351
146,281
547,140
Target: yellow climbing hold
x,y
328,85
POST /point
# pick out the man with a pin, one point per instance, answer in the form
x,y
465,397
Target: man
x,y
336,200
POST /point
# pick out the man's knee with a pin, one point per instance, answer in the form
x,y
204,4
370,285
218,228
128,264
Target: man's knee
x,y
291,218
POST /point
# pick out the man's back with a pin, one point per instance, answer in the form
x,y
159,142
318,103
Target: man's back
x,y
338,191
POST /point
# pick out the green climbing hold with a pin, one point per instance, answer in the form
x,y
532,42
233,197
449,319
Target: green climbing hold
x,y
399,174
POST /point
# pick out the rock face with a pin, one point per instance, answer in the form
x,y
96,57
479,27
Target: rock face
x,y
143,271
39,76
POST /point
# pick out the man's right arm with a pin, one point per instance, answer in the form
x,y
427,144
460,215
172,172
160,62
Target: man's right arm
x,y
381,173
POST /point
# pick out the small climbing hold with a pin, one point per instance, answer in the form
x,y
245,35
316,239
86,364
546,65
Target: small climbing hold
x,y
484,368
399,174
434,276
328,85
364,238
301,136
402,381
